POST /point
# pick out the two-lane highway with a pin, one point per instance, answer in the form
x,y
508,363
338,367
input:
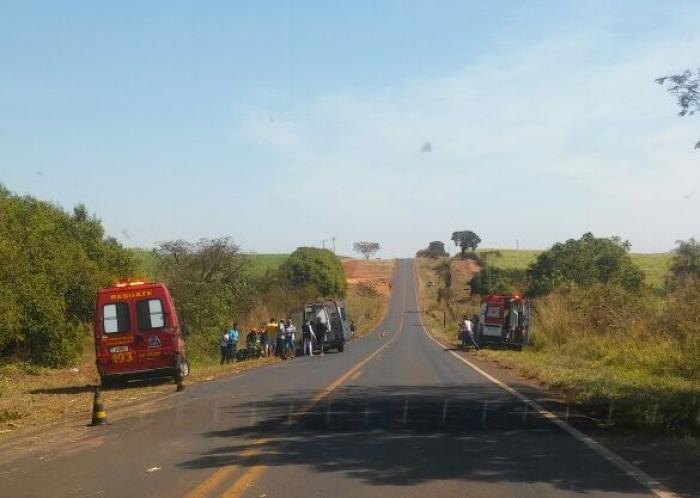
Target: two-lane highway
x,y
392,416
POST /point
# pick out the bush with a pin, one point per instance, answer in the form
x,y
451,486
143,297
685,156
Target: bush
x,y
435,249
318,269
584,262
209,284
53,263
606,344
686,261
498,280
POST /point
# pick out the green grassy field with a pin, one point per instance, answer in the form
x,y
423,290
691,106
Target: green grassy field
x,y
259,263
654,265
145,262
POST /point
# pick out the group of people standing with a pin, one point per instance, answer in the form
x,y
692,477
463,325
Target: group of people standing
x,y
276,338
228,343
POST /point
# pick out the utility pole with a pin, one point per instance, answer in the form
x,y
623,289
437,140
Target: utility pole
x,y
333,240
323,243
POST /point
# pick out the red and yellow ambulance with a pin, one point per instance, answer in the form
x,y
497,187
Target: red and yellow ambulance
x,y
137,333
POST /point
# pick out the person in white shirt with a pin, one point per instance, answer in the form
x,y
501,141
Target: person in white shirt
x,y
290,331
308,337
468,334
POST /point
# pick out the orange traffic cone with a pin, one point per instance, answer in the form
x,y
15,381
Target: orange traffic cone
x,y
99,417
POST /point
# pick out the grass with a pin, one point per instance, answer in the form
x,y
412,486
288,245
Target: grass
x,y
367,305
440,320
655,265
32,398
145,262
638,357
513,258
259,264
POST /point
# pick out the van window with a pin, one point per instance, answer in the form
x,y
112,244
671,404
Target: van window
x,y
149,313
493,312
115,318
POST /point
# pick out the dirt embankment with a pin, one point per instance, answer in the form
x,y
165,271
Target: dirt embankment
x,y
373,273
368,291
462,271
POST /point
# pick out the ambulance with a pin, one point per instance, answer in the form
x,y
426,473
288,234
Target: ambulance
x,y
504,320
137,333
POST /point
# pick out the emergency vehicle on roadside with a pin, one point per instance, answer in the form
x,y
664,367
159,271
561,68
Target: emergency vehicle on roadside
x,y
137,333
330,314
504,320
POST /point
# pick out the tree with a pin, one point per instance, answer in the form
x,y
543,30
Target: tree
x,y
686,88
316,269
584,262
436,249
686,260
466,239
498,280
53,262
367,249
209,284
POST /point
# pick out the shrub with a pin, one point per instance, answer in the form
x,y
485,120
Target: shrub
x,y
435,249
209,284
319,269
53,263
584,262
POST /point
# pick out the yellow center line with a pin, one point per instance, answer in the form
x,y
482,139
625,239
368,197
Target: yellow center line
x,y
209,484
254,472
357,375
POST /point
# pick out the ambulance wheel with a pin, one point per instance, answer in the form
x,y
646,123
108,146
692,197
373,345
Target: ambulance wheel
x,y
183,367
341,347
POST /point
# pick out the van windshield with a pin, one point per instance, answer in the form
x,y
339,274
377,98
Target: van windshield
x,y
115,318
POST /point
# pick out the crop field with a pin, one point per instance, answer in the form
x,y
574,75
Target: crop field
x,y
654,265
259,264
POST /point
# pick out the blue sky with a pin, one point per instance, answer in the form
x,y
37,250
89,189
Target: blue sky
x,y
285,123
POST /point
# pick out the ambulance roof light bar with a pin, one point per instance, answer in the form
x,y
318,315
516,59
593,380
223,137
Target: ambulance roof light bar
x,y
128,283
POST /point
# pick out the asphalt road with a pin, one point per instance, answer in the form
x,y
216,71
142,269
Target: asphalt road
x,y
392,416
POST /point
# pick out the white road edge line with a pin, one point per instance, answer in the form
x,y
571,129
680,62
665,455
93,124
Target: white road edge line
x,y
642,478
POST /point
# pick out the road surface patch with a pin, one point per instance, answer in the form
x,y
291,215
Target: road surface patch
x,y
254,472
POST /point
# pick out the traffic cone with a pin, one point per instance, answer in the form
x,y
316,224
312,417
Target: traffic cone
x,y
99,417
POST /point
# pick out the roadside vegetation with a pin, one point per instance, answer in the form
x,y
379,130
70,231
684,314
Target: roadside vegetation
x,y
54,261
603,334
369,290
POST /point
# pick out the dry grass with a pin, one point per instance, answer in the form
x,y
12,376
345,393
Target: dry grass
x,y
440,319
369,292
31,396
602,347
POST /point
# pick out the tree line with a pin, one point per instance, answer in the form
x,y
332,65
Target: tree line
x,y
54,261
579,262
